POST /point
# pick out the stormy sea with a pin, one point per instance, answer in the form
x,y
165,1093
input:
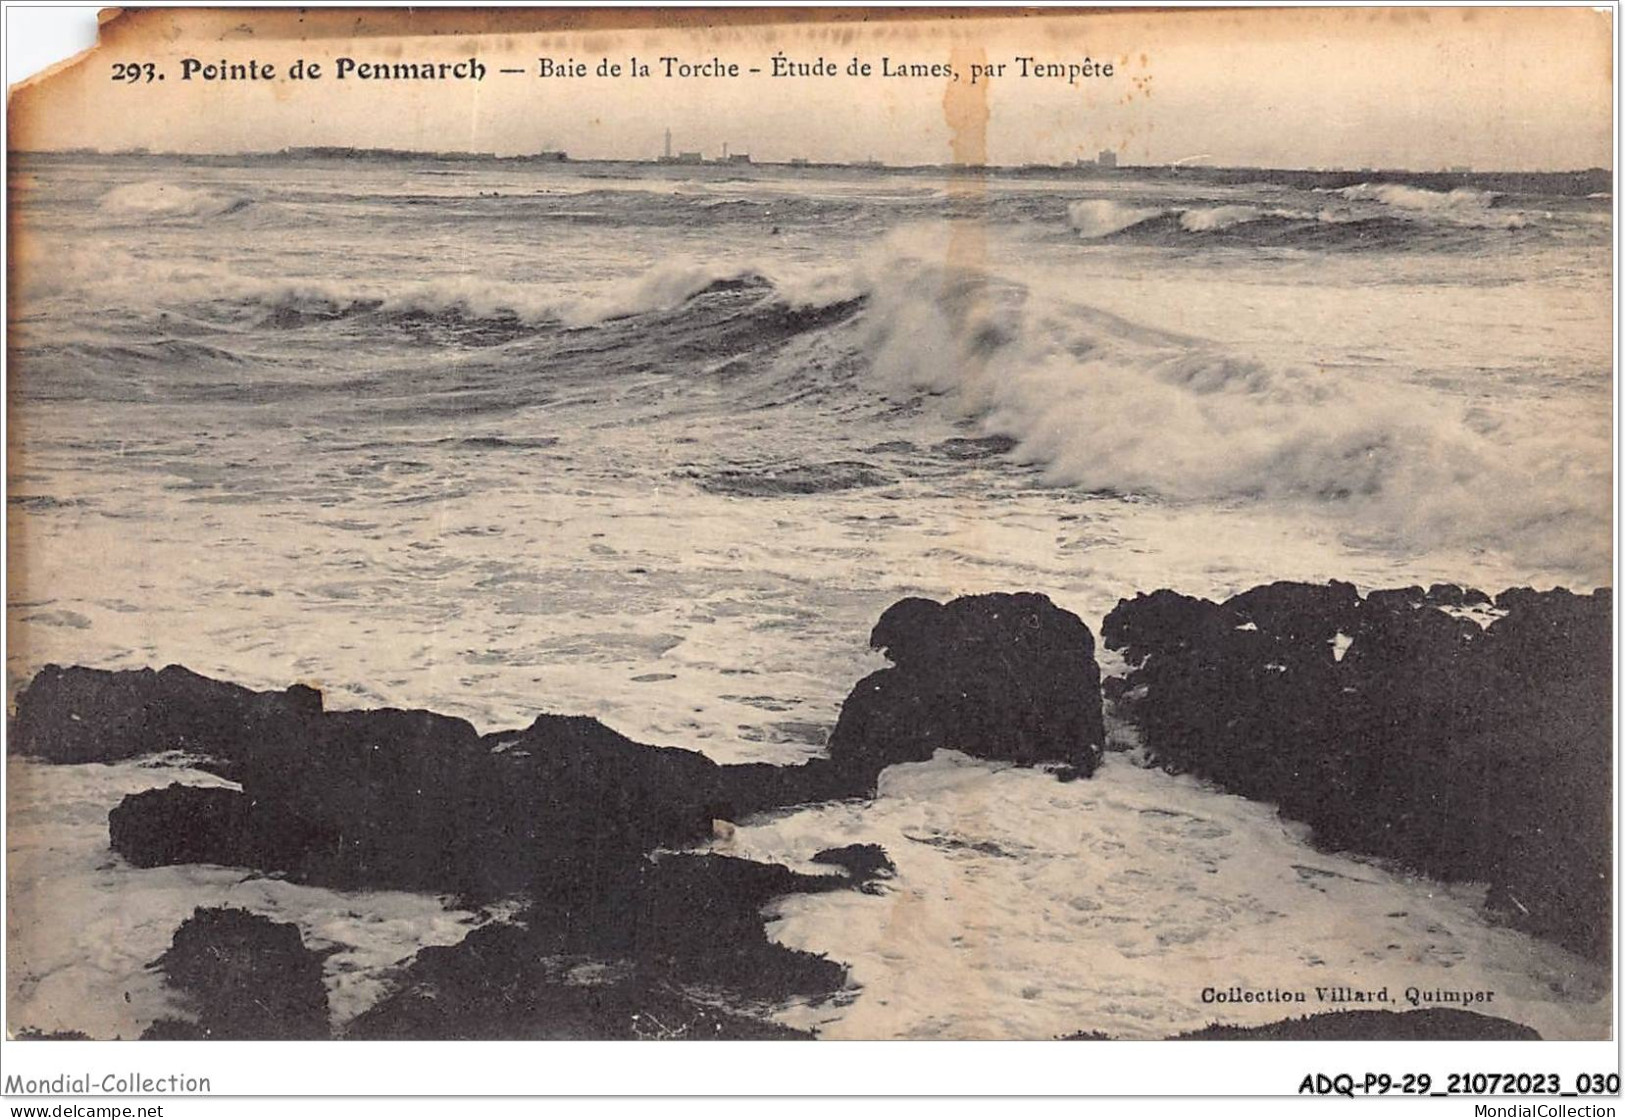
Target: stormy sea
x,y
659,445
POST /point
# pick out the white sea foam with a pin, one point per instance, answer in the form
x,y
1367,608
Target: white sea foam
x,y
1403,197
80,957
1028,908
1461,206
1207,219
154,199
1106,404
1101,217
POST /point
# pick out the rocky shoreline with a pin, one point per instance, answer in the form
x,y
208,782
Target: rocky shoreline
x,y
1397,726
1465,738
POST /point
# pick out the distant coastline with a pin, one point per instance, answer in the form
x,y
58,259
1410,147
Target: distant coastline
x,y
1582,182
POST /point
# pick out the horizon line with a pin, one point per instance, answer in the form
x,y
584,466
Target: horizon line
x,y
558,156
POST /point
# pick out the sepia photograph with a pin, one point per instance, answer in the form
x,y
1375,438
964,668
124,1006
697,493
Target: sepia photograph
x,y
813,524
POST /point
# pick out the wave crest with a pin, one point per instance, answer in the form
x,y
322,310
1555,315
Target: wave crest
x,y
472,298
1380,215
1107,405
1402,197
1461,206
1102,217
151,199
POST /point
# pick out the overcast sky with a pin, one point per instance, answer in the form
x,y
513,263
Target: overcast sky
x,y
1489,88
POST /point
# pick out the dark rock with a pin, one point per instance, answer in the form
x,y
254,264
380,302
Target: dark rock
x,y
494,985
863,862
34,1034
565,811
1468,754
627,959
412,799
198,824
1428,1024
751,787
1301,615
998,676
1398,598
1445,595
416,800
173,1030
184,824
695,918
983,447
92,715
1164,622
245,977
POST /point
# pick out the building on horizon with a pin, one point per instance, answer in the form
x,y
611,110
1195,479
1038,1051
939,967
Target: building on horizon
x,y
681,157
1107,158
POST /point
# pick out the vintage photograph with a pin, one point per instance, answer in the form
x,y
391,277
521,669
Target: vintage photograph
x,y
812,524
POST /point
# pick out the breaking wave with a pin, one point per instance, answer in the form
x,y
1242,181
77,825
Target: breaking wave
x,y
151,199
1403,197
1103,220
663,288
1092,400
1101,217
218,294
1380,216
1209,219
1108,405
1462,206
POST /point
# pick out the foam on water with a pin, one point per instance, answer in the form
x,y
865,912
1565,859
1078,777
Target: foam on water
x,y
1028,908
84,926
153,199
1100,217
1107,404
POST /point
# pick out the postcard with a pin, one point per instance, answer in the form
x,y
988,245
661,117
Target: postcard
x,y
815,524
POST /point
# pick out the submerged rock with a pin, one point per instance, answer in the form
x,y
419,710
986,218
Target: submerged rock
x,y
1427,1024
673,948
244,977
696,919
865,863
494,985
820,478
1398,729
